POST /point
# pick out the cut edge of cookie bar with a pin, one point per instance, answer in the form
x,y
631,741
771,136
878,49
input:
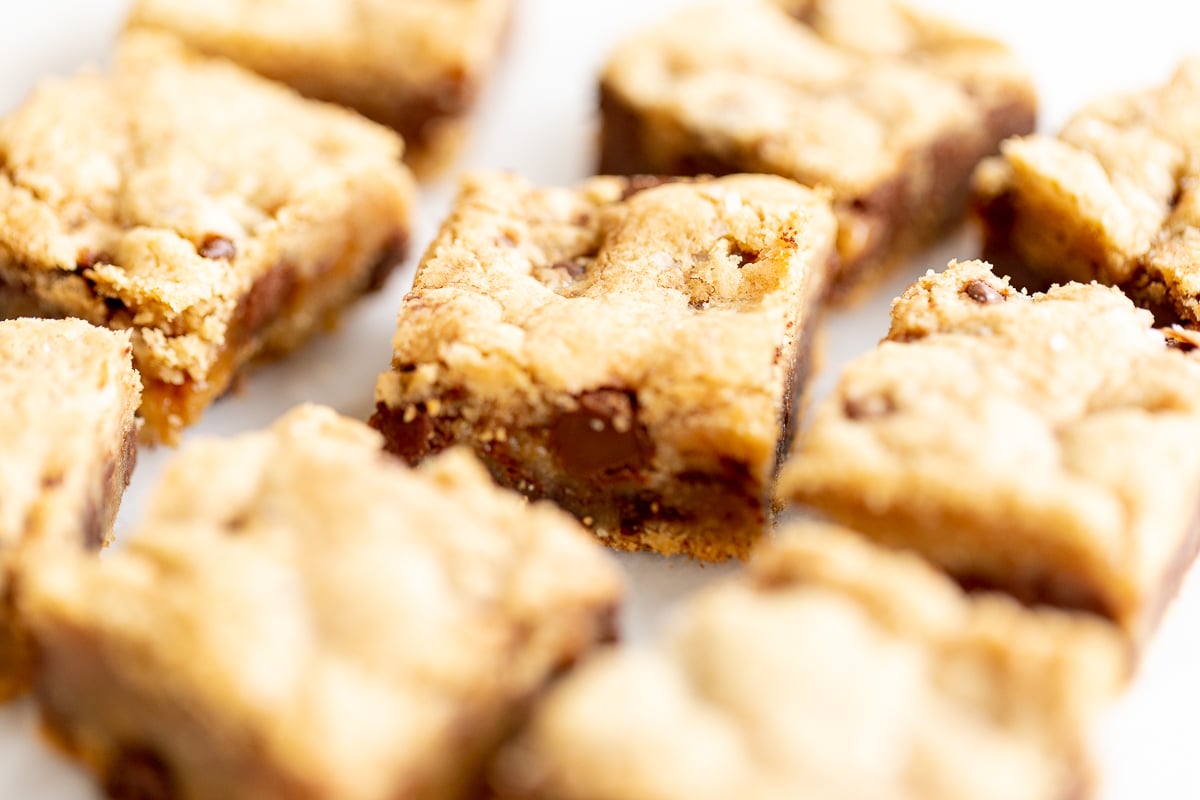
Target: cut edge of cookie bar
x,y
1038,501
924,197
1111,198
606,440
726,702
86,429
300,615
428,103
201,304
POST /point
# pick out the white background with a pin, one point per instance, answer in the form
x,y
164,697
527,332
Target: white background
x,y
538,118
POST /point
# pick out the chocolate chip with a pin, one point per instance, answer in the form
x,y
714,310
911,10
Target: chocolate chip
x,y
602,435
139,774
269,294
982,292
407,433
745,256
868,407
217,248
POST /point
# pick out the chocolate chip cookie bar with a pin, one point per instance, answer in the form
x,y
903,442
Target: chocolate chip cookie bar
x,y
215,215
630,349
68,393
300,615
1113,198
830,669
1041,444
887,108
416,66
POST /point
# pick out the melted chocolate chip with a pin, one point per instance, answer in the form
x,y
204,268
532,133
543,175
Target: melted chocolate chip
x,y
217,248
267,296
602,435
139,774
411,438
982,292
746,256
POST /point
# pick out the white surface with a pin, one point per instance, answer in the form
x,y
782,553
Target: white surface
x,y
538,119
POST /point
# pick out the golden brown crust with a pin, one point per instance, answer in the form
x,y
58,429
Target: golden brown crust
x,y
209,212
1039,444
625,348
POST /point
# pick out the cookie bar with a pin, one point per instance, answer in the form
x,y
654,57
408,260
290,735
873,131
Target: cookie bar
x,y
301,615
628,349
68,393
414,66
1040,444
213,214
828,669
886,107
1112,198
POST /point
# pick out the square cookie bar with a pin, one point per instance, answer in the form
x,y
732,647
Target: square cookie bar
x,y
628,349
68,394
1113,198
1041,444
886,107
416,65
828,669
302,616
215,215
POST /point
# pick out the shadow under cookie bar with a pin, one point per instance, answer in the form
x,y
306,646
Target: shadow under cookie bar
x,y
303,616
416,68
828,668
904,208
68,397
1043,445
1111,198
657,449
248,220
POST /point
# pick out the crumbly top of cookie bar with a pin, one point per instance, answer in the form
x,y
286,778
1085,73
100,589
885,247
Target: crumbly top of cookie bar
x,y
1065,411
171,184
684,291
